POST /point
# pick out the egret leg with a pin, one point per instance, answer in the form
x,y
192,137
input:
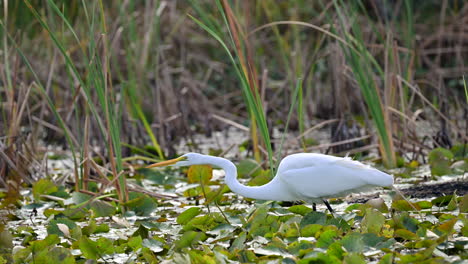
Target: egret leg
x,y
328,206
314,207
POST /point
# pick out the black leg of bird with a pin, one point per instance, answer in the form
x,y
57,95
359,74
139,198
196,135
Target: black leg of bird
x,y
328,206
314,207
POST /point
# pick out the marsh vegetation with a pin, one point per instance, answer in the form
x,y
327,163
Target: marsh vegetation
x,y
92,91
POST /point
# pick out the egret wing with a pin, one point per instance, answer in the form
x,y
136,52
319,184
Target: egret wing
x,y
330,179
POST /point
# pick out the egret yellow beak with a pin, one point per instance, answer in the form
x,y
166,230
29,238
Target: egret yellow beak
x,y
166,163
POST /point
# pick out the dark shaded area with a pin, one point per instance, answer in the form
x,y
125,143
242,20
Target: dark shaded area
x,y
439,189
460,187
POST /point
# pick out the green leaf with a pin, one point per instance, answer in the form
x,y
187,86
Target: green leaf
x,y
453,204
52,228
54,255
300,209
320,257
327,238
135,242
336,249
311,230
463,205
43,186
378,204
187,215
442,201
406,234
314,218
141,204
447,227
248,167
199,174
460,151
263,177
100,208
89,248
373,221
353,242
403,205
424,204
153,244
239,242
189,239
387,259
354,258
6,239
440,161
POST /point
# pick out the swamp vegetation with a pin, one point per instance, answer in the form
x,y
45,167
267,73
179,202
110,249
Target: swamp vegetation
x,y
93,91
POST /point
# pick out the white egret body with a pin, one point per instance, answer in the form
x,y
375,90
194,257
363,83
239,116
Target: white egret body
x,y
309,177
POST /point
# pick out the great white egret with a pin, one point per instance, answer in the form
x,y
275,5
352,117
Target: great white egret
x,y
310,177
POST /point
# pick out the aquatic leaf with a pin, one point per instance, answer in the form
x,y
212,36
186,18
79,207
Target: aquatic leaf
x,y
197,256
271,251
54,255
153,244
326,238
248,167
440,161
261,178
203,223
100,208
442,201
135,242
424,204
311,230
239,242
221,229
157,176
373,221
53,229
314,257
95,249
420,257
43,186
300,209
463,205
141,204
90,228
447,227
199,174
189,239
387,259
313,218
403,205
406,234
6,240
353,207
336,249
187,215
354,258
378,204
460,151
89,248
353,242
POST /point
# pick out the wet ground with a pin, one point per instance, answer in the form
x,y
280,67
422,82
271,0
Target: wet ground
x,y
460,187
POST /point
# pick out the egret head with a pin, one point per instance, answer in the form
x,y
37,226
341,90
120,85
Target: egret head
x,y
184,160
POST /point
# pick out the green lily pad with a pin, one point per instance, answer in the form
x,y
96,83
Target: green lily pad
x,y
188,215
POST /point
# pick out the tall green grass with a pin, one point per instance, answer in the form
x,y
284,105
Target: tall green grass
x,y
96,81
364,68
250,94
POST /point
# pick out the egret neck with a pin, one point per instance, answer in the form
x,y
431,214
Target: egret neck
x,y
269,191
